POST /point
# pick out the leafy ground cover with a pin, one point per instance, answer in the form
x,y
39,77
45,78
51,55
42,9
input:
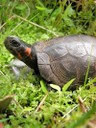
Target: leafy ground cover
x,y
33,104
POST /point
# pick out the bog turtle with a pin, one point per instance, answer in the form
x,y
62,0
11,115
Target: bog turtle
x,y
57,60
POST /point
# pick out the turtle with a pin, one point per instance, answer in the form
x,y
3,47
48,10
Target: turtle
x,y
58,60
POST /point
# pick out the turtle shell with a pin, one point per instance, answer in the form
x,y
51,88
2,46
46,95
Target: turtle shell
x,y
64,58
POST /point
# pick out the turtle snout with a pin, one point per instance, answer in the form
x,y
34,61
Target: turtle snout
x,y
12,42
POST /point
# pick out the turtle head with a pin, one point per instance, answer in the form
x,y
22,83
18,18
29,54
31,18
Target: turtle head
x,y
17,47
21,50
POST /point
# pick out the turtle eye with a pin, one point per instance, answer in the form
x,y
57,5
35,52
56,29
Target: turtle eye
x,y
14,43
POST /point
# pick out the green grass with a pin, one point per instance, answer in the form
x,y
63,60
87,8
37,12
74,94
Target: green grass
x,y
33,104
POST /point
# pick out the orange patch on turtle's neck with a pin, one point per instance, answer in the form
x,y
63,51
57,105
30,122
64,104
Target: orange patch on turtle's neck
x,y
28,52
19,56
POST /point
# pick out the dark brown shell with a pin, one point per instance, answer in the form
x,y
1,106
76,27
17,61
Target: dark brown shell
x,y
64,58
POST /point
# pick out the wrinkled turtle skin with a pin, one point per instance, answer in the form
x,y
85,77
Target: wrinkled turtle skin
x,y
57,60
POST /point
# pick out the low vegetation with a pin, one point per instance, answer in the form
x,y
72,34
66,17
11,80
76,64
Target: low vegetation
x,y
35,105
